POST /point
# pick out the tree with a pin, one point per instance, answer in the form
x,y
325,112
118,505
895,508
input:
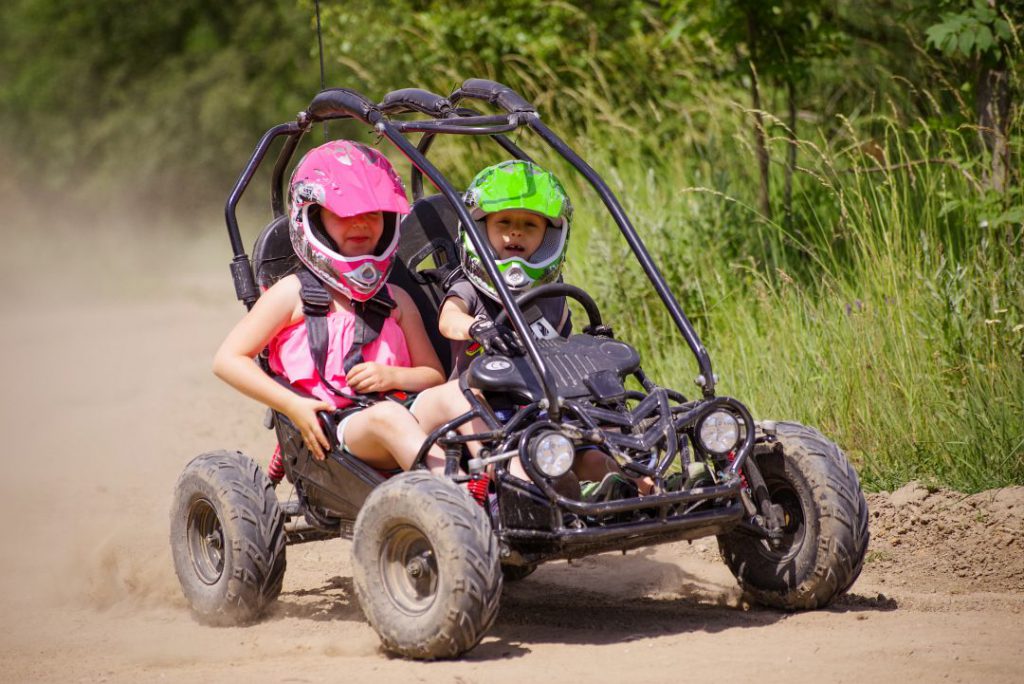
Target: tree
x,y
982,34
84,86
781,40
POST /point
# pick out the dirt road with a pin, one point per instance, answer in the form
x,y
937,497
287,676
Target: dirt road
x,y
105,354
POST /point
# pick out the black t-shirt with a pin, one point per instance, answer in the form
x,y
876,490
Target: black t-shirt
x,y
477,304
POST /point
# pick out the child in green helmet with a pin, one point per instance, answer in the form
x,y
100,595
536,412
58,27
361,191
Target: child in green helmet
x,y
526,214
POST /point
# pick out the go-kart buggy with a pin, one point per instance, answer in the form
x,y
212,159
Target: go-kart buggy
x,y
429,561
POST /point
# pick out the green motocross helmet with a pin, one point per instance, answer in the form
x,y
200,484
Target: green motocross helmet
x,y
518,185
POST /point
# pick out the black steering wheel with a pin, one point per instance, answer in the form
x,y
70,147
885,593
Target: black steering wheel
x,y
557,290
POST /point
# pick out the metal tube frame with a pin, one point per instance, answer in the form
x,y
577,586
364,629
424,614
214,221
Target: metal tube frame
x,y
465,121
474,124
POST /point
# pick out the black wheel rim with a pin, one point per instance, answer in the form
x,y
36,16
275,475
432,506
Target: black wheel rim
x,y
783,494
205,541
408,570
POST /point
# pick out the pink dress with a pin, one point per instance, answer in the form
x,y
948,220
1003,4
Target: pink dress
x,y
290,357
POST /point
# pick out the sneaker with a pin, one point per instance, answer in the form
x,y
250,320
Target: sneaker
x,y
611,487
624,488
587,489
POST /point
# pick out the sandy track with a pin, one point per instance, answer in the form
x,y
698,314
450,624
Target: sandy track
x,y
108,395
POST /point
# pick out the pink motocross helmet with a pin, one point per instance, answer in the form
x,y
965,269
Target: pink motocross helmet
x,y
346,178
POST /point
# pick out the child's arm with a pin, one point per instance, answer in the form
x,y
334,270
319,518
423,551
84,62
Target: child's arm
x,y
454,319
426,368
234,362
455,323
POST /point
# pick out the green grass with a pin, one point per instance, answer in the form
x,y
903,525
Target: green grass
x,y
888,311
890,314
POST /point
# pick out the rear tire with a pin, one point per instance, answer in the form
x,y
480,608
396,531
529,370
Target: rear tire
x,y
227,538
826,534
426,566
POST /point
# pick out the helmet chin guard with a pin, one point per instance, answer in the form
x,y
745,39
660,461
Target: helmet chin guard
x,y
347,179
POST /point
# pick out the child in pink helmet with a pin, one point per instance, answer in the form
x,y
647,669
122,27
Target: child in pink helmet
x,y
345,202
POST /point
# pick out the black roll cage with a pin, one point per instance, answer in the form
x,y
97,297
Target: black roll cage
x,y
447,117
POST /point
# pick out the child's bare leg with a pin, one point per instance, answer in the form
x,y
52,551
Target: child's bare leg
x,y
386,434
594,464
438,405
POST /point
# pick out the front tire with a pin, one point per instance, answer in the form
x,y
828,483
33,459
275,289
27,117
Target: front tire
x,y
227,538
825,533
426,567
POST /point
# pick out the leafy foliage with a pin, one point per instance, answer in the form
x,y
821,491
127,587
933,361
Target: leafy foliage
x,y
978,30
886,311
189,82
787,35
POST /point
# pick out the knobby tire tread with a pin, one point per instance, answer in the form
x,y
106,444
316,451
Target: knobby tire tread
x,y
842,526
443,511
253,525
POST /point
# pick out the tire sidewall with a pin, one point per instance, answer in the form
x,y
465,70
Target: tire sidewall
x,y
204,598
835,535
252,525
413,499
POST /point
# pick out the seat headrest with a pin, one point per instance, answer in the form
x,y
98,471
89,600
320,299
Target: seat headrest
x,y
273,256
430,220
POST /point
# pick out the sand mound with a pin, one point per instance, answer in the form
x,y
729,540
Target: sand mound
x,y
944,540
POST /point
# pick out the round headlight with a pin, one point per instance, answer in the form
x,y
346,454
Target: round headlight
x,y
553,454
719,432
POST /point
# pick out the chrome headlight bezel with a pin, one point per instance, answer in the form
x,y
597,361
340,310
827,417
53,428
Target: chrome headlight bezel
x,y
718,432
552,454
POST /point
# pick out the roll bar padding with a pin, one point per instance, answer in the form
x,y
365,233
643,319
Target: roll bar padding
x,y
415,100
341,103
494,93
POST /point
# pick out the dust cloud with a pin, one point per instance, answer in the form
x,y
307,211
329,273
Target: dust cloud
x,y
109,328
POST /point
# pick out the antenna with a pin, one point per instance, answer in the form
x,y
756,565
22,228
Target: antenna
x,y
320,42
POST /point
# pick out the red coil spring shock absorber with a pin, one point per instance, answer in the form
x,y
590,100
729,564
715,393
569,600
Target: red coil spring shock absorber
x,y
478,488
275,470
743,478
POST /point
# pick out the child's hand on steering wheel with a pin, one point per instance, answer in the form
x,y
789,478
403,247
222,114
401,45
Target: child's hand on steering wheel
x,y
495,339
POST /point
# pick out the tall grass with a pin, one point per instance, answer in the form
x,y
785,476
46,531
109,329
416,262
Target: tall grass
x,y
889,312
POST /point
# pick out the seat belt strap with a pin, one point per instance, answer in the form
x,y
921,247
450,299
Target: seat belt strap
x,y
369,321
370,318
